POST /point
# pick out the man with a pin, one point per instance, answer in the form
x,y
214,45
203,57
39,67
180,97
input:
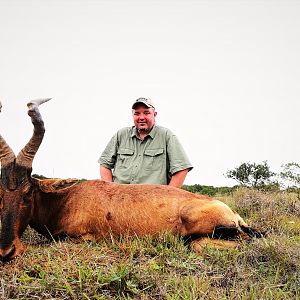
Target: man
x,y
145,152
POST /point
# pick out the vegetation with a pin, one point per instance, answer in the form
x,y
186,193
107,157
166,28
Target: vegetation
x,y
39,176
291,173
252,174
164,267
260,176
208,190
290,176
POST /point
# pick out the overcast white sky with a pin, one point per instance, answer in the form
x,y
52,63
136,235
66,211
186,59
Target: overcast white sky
x,y
225,77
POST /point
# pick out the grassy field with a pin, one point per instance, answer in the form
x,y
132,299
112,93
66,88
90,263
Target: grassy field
x,y
163,267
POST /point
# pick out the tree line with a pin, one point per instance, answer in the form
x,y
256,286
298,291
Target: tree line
x,y
258,176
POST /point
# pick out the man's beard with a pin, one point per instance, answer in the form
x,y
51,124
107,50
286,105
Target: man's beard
x,y
144,130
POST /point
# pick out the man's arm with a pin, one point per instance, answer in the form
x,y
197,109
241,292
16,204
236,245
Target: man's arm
x,y
108,158
106,174
178,178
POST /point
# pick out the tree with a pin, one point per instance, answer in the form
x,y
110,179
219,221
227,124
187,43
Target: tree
x,y
39,176
291,176
251,174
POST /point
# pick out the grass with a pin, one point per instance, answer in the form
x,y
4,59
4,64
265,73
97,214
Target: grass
x,y
163,267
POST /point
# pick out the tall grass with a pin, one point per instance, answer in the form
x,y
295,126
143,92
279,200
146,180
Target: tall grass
x,y
164,267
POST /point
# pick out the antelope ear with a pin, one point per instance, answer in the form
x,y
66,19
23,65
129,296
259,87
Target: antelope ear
x,y
55,184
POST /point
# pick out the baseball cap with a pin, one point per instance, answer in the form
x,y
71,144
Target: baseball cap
x,y
146,101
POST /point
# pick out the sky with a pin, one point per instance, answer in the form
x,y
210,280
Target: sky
x,y
224,76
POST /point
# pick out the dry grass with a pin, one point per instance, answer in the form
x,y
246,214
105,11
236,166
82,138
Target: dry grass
x,y
278,213
163,267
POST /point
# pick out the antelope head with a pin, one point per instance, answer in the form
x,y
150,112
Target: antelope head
x,y
16,189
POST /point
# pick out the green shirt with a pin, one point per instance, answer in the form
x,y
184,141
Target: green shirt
x,y
152,160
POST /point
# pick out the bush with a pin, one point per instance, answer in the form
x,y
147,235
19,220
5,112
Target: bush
x,y
208,190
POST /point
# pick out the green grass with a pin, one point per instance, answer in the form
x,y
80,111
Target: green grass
x,y
163,267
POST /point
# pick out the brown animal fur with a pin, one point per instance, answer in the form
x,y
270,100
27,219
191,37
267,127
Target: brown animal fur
x,y
96,209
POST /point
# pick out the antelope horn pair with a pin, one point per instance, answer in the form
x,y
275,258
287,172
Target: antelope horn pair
x,y
26,155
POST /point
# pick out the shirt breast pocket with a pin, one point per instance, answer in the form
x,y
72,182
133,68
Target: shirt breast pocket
x,y
124,157
154,159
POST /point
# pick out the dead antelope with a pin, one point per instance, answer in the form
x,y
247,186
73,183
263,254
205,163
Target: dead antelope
x,y
95,209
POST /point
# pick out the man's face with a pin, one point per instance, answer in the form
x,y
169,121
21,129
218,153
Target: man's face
x,y
144,117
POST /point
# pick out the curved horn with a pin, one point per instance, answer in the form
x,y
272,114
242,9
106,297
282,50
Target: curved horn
x,y
37,102
6,154
26,155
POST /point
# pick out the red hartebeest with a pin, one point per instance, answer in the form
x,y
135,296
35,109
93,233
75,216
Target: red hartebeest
x,y
94,209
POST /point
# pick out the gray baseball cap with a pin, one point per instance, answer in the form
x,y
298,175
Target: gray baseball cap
x,y
146,101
